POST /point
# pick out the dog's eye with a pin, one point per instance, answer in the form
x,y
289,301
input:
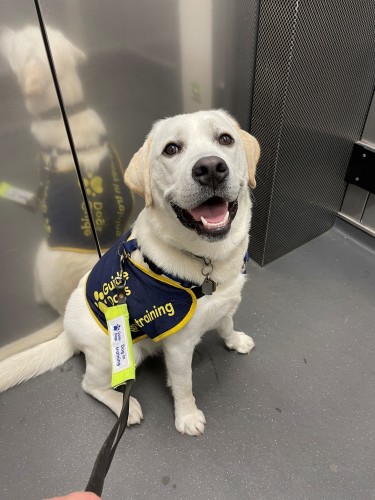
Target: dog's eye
x,y
226,140
171,149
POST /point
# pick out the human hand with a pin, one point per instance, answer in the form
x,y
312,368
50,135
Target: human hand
x,y
78,495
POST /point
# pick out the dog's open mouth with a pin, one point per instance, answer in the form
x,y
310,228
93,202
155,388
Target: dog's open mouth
x,y
213,217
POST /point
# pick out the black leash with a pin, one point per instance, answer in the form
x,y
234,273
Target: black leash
x,y
107,452
66,121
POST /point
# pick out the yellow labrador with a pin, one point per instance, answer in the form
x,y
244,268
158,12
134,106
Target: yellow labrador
x,y
194,171
68,251
56,271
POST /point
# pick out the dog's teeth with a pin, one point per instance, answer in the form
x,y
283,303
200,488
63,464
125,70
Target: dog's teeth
x,y
204,222
213,225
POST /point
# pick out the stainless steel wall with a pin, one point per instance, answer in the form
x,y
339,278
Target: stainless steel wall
x,y
314,80
301,72
23,229
121,65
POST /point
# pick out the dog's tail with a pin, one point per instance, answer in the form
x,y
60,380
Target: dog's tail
x,y
49,332
40,359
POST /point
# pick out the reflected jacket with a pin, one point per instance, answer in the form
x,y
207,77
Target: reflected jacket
x,y
66,221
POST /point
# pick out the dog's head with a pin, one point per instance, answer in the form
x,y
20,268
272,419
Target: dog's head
x,y
25,52
197,166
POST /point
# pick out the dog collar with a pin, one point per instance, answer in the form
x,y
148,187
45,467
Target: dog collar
x,y
206,288
130,245
54,153
55,113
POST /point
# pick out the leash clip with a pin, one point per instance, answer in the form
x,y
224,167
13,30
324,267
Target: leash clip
x,y
119,280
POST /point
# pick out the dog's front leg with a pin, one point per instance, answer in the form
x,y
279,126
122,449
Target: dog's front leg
x,y
178,352
97,378
238,341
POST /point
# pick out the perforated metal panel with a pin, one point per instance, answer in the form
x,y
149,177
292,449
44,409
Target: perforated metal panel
x,y
314,80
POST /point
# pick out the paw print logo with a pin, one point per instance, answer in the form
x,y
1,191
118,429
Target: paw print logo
x,y
93,184
43,206
116,328
100,301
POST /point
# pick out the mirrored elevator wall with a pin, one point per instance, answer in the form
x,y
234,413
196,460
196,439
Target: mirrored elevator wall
x,y
121,65
297,74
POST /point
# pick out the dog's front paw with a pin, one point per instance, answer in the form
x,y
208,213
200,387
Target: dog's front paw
x,y
240,342
191,423
135,412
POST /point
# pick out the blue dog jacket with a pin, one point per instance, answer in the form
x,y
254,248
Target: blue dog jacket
x,y
66,220
158,306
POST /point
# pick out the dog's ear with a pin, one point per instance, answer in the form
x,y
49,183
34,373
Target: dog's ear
x,y
138,175
251,145
63,50
252,151
64,47
78,54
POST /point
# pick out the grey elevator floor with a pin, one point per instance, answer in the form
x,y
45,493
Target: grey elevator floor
x,y
295,419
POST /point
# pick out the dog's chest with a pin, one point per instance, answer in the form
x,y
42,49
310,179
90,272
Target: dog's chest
x,y
158,306
212,309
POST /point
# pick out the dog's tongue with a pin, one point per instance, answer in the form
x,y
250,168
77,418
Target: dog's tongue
x,y
212,212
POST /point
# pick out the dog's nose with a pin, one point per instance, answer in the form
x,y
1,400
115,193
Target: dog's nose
x,y
210,171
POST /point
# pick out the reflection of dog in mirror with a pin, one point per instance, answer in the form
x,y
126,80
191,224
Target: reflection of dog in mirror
x,y
182,263
69,249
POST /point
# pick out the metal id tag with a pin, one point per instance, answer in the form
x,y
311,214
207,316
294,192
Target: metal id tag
x,y
120,344
208,286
